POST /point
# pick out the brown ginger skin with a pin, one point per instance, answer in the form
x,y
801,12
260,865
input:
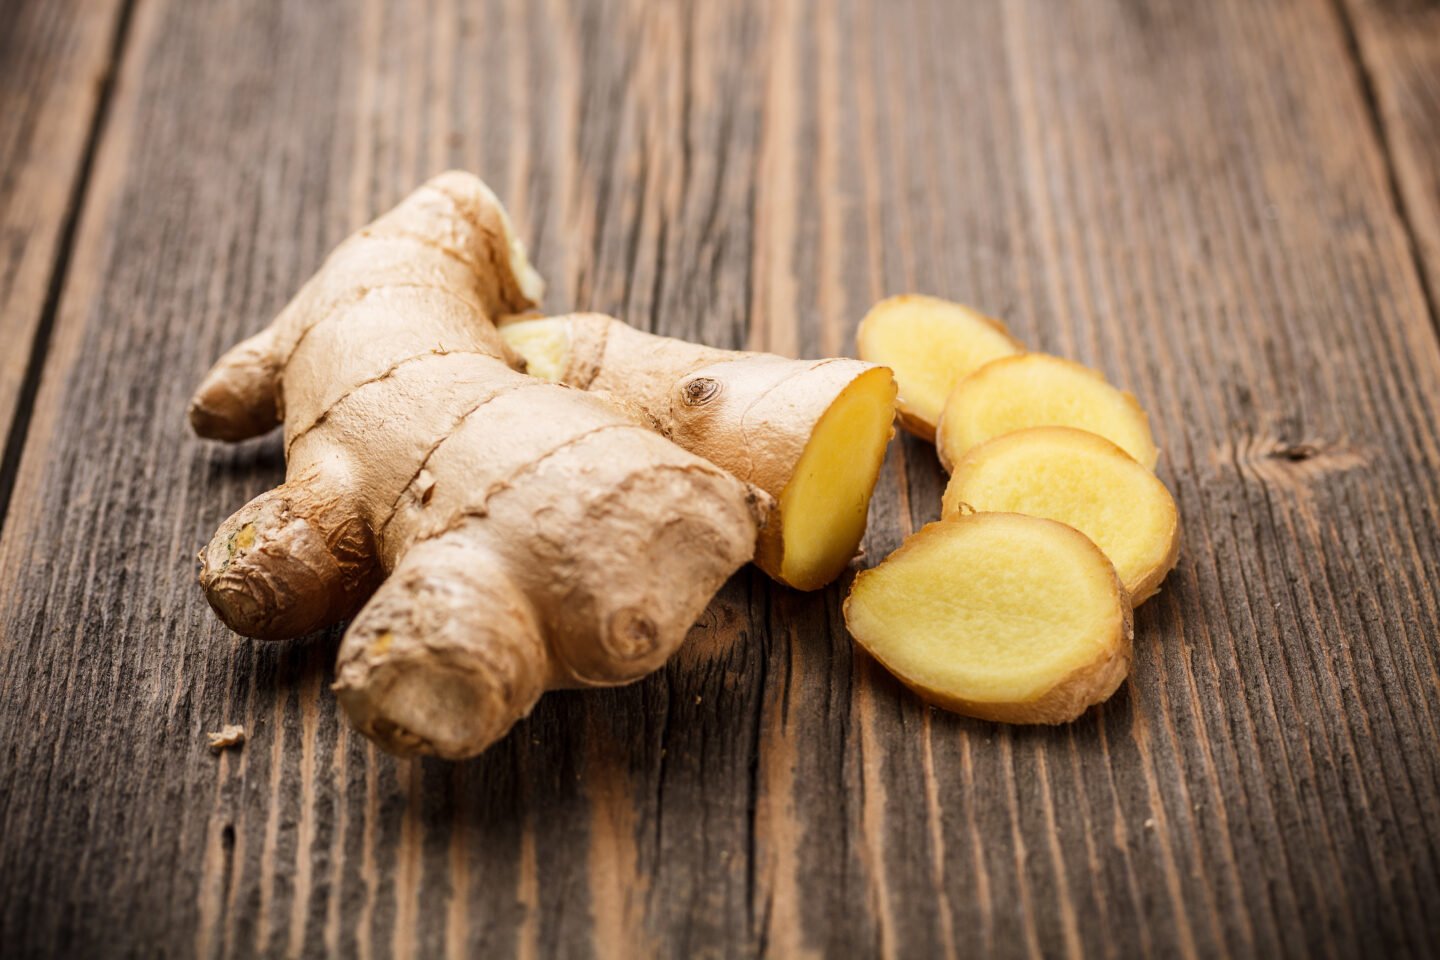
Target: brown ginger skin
x,y
754,414
499,536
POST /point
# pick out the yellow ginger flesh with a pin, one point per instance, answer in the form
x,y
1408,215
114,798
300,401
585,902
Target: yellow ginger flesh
x,y
1038,390
998,616
1081,480
931,344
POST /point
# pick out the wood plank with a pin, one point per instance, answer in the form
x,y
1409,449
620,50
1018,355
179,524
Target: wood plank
x,y
1188,196
54,63
1398,45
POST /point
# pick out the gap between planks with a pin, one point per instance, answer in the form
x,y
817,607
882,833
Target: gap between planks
x,y
75,203
1368,85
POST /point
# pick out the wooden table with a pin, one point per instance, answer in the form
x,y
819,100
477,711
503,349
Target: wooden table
x,y
1232,207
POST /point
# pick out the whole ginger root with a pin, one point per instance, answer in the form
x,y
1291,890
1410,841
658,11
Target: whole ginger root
x,y
494,536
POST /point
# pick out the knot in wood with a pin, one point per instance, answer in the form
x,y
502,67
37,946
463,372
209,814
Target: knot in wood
x,y
1295,452
701,390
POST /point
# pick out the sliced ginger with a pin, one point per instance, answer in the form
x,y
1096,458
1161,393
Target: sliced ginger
x,y
1082,480
931,344
999,616
1038,390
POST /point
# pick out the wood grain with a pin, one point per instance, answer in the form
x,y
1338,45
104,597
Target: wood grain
x,y
1398,47
55,60
1194,198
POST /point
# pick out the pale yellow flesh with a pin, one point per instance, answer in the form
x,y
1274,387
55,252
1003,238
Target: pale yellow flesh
x,y
543,343
990,611
931,345
824,506
1082,480
1038,390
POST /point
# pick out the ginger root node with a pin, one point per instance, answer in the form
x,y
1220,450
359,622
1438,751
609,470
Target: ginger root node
x,y
632,634
701,390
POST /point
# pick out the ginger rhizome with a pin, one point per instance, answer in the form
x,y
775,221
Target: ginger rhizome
x,y
931,344
499,536
998,616
1082,480
1038,390
811,433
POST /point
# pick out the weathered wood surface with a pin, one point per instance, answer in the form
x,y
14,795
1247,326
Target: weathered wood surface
x,y
1398,45
54,67
1196,198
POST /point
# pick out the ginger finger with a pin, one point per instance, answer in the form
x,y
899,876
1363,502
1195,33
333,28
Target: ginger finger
x,y
811,433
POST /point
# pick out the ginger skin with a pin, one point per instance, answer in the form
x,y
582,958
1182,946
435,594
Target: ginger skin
x,y
811,433
499,536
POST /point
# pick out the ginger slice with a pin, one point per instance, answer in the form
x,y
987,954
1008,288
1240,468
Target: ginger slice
x,y
1038,390
999,616
1082,480
931,344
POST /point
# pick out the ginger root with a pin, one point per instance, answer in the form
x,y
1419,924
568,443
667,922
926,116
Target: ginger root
x,y
1082,480
1038,390
517,536
931,344
998,616
811,433
230,735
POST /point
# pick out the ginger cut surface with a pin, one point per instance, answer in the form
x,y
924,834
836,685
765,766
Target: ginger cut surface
x,y
1038,390
1082,480
810,433
931,344
998,616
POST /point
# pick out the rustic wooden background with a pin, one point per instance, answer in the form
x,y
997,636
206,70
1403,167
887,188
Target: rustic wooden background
x,y
1232,207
